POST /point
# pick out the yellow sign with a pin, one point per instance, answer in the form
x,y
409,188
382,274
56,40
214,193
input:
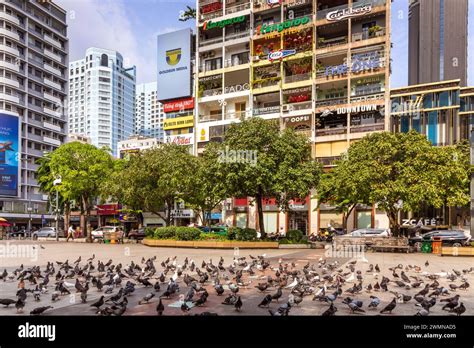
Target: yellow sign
x,y
179,122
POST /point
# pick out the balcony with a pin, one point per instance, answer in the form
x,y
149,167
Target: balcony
x,y
52,126
332,42
9,49
331,131
52,84
297,78
368,97
10,82
52,98
53,55
211,15
236,8
328,161
8,65
367,35
298,106
10,34
213,41
266,83
266,110
240,35
234,62
212,92
11,18
51,112
52,69
10,98
307,133
367,128
236,115
52,41
330,102
210,118
52,141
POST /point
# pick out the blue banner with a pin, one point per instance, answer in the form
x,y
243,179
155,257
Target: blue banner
x,y
9,153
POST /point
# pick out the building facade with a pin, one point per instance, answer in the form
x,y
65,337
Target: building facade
x,y
33,87
437,41
102,98
443,111
149,114
320,67
135,144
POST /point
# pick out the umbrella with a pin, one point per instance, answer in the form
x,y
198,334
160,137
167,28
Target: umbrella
x,y
4,224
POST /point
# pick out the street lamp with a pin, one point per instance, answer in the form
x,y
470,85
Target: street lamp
x,y
56,183
28,195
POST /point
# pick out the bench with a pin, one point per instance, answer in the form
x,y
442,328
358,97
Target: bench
x,y
391,244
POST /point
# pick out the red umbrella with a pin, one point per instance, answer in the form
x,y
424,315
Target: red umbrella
x,y
4,224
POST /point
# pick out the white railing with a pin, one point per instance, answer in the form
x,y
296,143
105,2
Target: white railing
x,y
297,78
212,92
237,8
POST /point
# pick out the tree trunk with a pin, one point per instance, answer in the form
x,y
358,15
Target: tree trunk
x,y
261,224
67,215
394,225
346,216
87,230
168,213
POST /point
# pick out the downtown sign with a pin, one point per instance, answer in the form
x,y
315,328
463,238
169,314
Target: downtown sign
x,y
350,12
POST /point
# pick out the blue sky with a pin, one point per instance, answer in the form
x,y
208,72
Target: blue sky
x,y
131,27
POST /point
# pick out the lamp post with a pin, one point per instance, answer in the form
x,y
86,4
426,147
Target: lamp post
x,y
56,183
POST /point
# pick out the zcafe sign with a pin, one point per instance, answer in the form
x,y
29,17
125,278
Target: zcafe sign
x,y
339,15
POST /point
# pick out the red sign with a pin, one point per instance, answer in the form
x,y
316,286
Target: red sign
x,y
108,209
240,202
179,105
211,7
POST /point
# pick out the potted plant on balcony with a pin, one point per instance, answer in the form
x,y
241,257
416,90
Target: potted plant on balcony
x,y
373,30
321,41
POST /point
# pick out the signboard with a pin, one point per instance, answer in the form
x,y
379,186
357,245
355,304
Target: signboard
x,y
178,122
272,3
421,222
223,23
279,27
108,209
174,65
339,15
179,105
360,62
237,88
9,151
182,213
181,139
357,109
297,119
280,54
203,133
215,6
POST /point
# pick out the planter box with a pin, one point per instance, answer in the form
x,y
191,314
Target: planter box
x,y
294,246
210,244
461,251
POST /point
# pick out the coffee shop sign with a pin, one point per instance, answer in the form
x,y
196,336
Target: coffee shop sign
x,y
360,62
419,222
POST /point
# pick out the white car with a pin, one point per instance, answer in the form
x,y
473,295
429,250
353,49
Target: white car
x,y
370,232
44,232
99,233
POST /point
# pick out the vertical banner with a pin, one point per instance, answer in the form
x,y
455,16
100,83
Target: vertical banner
x,y
9,154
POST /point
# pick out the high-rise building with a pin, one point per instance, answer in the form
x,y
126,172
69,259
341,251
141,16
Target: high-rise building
x,y
318,66
102,98
437,41
149,115
33,89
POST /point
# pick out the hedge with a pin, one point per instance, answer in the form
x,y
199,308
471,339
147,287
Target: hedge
x,y
246,234
294,235
165,232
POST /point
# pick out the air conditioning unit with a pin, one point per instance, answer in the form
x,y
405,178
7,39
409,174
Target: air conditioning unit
x,y
287,108
247,45
211,54
255,58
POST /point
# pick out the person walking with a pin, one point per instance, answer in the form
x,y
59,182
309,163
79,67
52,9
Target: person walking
x,y
70,233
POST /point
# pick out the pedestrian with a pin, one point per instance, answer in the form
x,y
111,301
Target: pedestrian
x,y
70,233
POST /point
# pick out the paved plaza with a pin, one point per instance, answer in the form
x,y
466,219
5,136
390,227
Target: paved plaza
x,y
251,297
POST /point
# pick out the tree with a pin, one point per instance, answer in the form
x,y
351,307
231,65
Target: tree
x,y
209,186
82,168
398,172
264,162
189,13
153,179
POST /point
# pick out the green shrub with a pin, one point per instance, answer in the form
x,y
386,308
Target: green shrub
x,y
294,235
165,232
232,232
246,234
149,232
188,233
212,236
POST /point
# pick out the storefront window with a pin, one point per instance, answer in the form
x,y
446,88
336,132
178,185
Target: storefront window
x,y
298,220
404,123
241,220
270,222
364,219
327,218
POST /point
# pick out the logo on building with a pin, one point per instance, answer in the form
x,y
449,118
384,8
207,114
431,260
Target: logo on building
x,y
360,63
279,27
173,56
349,12
280,54
223,23
187,139
357,109
272,3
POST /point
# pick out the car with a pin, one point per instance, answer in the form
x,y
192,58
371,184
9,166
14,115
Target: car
x,y
19,233
137,234
370,232
455,238
44,232
98,234
222,230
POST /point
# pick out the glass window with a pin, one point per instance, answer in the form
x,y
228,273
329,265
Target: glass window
x,y
364,219
404,123
444,98
416,122
428,101
432,127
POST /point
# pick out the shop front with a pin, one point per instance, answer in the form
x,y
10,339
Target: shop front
x,y
298,215
270,215
241,212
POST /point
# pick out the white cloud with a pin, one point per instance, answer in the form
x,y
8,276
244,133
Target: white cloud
x,y
105,24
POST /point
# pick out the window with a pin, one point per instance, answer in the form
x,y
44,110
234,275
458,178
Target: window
x,y
104,60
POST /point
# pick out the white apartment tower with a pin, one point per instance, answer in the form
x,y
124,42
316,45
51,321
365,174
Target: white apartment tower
x,y
102,98
149,113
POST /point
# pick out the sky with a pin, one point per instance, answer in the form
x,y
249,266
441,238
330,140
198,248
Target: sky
x,y
131,26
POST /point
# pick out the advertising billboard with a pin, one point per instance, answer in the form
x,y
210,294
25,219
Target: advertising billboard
x,y
174,65
9,150
178,122
179,105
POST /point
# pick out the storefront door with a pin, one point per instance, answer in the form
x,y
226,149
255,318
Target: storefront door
x,y
298,220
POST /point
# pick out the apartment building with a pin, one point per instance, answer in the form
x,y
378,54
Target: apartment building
x,y
149,114
102,98
33,90
320,67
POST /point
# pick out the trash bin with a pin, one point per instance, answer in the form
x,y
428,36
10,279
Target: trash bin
x,y
107,237
426,247
436,245
113,237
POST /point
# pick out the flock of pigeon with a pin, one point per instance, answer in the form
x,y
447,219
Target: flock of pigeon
x,y
330,284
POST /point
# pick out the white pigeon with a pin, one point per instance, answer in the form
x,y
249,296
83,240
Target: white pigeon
x,y
293,284
175,276
351,278
364,259
69,285
246,268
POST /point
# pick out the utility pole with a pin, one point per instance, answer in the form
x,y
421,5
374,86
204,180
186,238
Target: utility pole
x,y
56,183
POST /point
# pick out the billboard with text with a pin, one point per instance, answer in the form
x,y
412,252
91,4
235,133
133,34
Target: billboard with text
x,y
9,150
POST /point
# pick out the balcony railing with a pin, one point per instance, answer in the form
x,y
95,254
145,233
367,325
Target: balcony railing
x,y
236,8
211,15
335,41
328,161
237,35
212,92
331,131
330,102
211,41
210,118
266,110
297,78
365,92
367,128
204,68
266,83
366,35
307,132
298,106
368,97
236,115
235,62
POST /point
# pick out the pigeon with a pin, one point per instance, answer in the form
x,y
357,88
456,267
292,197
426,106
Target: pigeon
x,y
374,302
262,286
84,296
389,308
160,308
458,310
330,311
277,295
219,289
451,302
185,308
266,301
19,305
423,313
7,302
427,263
99,303
354,307
238,304
40,310
146,298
